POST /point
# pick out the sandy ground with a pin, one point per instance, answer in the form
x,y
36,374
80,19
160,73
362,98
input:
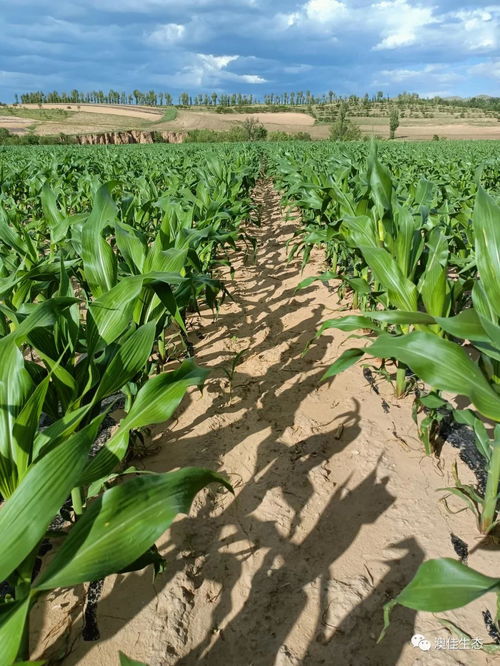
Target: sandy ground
x,y
335,506
82,122
187,120
16,125
427,131
118,110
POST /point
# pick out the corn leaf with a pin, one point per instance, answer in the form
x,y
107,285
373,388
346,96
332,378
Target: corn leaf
x,y
118,527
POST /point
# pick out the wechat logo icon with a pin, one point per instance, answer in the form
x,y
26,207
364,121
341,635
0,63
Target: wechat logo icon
x,y
419,641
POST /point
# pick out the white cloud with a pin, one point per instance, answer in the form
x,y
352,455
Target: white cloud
x,y
215,63
315,14
396,24
325,11
479,29
167,34
251,78
400,22
432,73
489,69
206,70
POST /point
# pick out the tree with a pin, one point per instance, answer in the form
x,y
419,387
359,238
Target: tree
x,y
344,129
253,130
393,121
4,135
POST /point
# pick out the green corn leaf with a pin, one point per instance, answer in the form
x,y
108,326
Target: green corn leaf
x,y
110,315
380,182
131,246
441,364
348,323
41,315
130,358
104,210
15,387
12,621
26,515
324,277
25,427
118,527
433,285
424,194
126,661
58,222
99,260
160,396
57,431
440,585
486,220
49,205
401,291
361,231
345,360
466,325
444,584
155,403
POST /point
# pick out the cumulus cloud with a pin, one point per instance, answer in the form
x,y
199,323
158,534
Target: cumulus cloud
x,y
205,70
479,28
327,11
318,14
401,22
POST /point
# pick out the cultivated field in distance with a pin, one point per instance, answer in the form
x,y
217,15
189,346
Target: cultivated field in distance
x,y
416,123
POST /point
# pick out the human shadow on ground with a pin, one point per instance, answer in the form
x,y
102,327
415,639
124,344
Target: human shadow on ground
x,y
354,639
267,617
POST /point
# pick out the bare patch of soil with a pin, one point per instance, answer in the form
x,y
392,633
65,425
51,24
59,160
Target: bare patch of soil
x,y
15,125
187,120
426,130
107,109
335,508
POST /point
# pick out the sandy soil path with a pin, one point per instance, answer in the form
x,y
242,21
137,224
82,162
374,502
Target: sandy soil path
x,y
335,505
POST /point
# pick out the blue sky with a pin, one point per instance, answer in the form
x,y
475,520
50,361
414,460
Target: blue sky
x,y
445,47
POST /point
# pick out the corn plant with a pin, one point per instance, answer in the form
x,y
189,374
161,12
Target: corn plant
x,y
445,584
41,467
442,363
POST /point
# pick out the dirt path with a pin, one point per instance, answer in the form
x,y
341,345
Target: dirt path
x,y
335,505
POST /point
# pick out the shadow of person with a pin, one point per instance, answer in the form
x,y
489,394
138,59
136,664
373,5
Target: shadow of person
x,y
277,595
354,638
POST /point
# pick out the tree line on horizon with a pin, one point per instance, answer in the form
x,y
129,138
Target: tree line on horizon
x,y
294,98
